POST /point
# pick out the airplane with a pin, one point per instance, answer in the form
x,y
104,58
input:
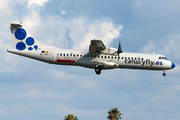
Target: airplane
x,y
98,57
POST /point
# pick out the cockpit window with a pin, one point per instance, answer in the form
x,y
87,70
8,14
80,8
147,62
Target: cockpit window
x,y
165,58
162,58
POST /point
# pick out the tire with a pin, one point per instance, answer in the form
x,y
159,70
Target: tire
x,y
164,74
98,70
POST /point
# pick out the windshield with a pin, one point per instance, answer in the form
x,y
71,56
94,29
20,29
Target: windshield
x,y
162,58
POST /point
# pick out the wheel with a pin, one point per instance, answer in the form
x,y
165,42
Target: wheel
x,y
164,74
98,70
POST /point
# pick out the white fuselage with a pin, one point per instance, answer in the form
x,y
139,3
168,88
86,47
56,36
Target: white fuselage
x,y
98,57
91,60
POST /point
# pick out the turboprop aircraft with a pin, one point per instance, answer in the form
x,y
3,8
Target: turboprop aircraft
x,y
98,57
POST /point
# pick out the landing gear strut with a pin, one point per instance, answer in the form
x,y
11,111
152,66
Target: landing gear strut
x,y
98,69
164,73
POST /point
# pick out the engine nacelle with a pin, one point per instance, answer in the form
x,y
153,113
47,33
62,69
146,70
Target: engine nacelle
x,y
110,51
110,65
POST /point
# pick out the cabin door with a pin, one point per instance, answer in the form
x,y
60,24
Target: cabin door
x,y
51,55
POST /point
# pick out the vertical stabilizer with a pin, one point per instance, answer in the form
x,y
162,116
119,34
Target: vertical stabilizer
x,y
22,39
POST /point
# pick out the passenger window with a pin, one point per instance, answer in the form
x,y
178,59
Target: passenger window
x,y
115,57
142,59
128,58
60,54
70,54
87,55
77,55
81,55
104,56
125,58
64,54
67,54
112,57
122,58
138,58
84,55
135,58
108,57
98,56
91,55
57,54
94,55
74,55
132,58
101,56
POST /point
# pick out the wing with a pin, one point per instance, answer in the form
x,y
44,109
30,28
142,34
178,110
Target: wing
x,y
96,46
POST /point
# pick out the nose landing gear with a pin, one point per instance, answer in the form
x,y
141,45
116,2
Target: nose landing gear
x,y
164,73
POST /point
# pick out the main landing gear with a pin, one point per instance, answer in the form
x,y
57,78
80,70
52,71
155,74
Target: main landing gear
x,y
164,73
98,69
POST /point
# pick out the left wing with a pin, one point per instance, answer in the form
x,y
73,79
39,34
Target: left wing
x,y
96,46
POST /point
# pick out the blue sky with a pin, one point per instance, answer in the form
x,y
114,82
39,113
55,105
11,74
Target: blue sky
x,y
33,90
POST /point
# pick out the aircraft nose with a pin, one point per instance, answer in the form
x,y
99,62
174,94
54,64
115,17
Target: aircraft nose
x,y
173,65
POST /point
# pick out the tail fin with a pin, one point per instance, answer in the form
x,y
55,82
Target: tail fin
x,y
22,39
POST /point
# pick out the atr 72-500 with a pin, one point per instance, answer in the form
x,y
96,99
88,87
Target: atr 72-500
x,y
98,57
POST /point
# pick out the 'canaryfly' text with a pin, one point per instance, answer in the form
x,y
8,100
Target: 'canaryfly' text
x,y
146,62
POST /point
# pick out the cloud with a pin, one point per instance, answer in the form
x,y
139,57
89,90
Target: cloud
x,y
31,21
39,2
63,12
81,30
13,110
150,47
3,5
101,30
167,45
36,93
81,113
82,82
8,61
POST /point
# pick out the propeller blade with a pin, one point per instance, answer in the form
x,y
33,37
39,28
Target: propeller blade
x,y
118,57
119,50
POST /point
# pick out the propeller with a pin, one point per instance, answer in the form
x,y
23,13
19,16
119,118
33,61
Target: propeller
x,y
119,50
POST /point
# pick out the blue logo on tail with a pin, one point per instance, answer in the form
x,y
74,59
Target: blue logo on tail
x,y
21,34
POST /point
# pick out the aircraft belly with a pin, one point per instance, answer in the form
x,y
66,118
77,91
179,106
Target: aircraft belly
x,y
86,63
142,67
